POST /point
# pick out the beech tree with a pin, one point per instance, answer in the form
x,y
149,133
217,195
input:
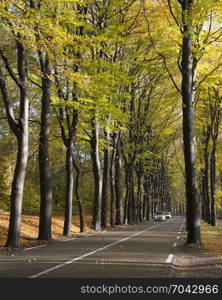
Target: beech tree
x,y
106,80
18,124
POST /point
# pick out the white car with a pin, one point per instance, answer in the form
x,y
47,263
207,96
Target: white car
x,y
160,216
168,215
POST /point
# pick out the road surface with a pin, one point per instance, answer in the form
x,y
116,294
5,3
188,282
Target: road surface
x,y
137,251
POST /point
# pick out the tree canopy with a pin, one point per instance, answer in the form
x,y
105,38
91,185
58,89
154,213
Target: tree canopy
x,y
110,107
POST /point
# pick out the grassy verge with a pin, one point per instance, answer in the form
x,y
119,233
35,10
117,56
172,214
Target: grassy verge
x,y
212,238
29,228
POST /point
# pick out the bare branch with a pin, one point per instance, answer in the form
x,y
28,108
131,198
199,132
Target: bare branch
x,y
210,73
173,15
35,121
161,55
9,69
9,109
210,27
177,160
35,83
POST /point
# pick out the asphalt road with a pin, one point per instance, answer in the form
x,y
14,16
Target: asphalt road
x,y
137,251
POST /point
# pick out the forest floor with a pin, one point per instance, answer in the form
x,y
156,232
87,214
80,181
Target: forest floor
x,y
29,228
212,238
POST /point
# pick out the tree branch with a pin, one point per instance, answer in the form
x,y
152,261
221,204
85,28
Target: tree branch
x,y
161,55
9,69
9,109
173,15
210,73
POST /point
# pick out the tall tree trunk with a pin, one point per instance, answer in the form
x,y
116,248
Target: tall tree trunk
x,y
193,214
202,198
78,196
146,186
45,232
20,129
17,191
69,143
67,229
213,221
140,196
206,197
96,223
205,177
105,186
133,211
215,123
112,182
69,138
127,208
119,205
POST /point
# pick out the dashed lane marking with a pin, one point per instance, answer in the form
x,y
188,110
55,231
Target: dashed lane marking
x,y
74,238
169,259
26,249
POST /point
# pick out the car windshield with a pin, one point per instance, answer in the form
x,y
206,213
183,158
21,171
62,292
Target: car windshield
x,y
159,213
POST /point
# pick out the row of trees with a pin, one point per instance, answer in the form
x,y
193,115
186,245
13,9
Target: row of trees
x,y
94,88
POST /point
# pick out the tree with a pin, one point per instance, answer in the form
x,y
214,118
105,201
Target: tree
x,y
44,163
20,130
187,90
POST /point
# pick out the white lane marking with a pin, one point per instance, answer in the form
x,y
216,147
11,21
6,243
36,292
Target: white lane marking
x,y
74,238
174,245
169,258
34,247
67,240
179,234
89,253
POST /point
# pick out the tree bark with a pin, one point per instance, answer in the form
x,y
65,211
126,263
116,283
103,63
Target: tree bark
x,y
20,130
112,182
193,214
78,196
133,205
67,229
13,239
127,208
105,185
96,223
147,212
205,179
45,231
69,143
140,197
215,123
213,221
119,207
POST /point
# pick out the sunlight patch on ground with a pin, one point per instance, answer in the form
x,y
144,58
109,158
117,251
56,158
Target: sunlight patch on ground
x,y
29,228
